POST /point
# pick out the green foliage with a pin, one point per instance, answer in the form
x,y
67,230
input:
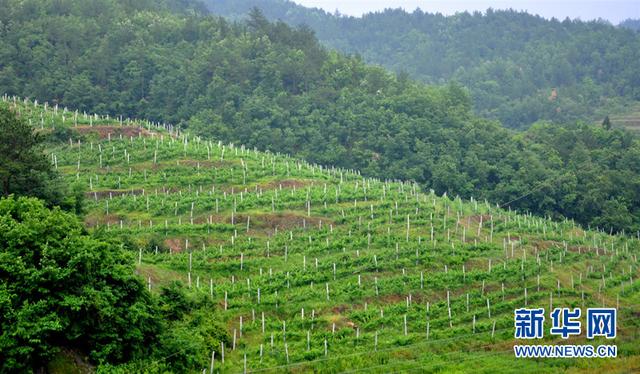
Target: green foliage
x,y
174,303
274,87
63,135
193,332
189,342
62,288
633,24
267,233
24,168
520,68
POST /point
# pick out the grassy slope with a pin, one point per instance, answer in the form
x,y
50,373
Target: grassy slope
x,y
630,119
254,223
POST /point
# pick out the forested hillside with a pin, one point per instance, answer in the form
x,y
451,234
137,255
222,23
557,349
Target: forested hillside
x,y
184,193
633,24
520,68
270,86
251,261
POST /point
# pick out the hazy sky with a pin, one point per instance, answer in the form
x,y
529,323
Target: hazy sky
x,y
612,10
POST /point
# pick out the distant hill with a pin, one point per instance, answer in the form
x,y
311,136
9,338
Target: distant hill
x,y
520,68
284,10
633,24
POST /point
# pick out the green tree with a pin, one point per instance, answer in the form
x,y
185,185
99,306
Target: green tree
x,y
24,169
59,287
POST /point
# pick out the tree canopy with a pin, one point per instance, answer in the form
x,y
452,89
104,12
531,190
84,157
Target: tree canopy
x,y
62,288
520,68
271,86
24,168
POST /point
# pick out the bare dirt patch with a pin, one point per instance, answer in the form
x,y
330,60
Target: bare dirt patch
x,y
109,219
544,244
387,299
69,360
339,309
268,223
282,221
285,183
202,163
577,249
174,244
474,221
106,194
115,131
340,320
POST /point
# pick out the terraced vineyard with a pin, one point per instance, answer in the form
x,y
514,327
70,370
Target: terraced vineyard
x,y
319,269
629,120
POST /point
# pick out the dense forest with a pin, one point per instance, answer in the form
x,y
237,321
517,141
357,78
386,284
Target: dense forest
x,y
274,87
519,68
63,288
633,24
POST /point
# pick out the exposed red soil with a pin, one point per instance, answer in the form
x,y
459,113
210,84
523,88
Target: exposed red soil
x,y
282,221
105,194
340,320
339,309
175,244
544,244
267,223
387,299
577,249
204,164
111,219
285,183
103,131
471,223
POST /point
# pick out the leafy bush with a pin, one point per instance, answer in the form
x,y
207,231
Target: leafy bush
x,y
61,287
